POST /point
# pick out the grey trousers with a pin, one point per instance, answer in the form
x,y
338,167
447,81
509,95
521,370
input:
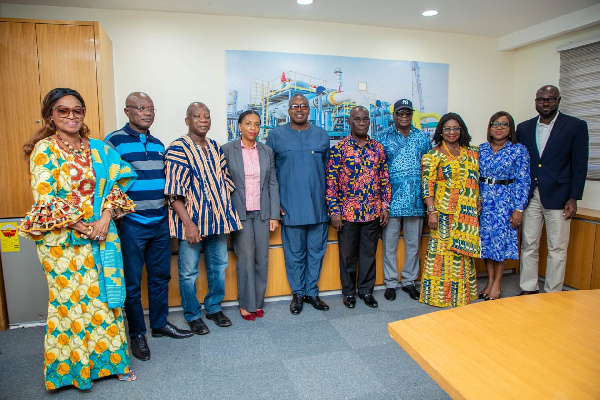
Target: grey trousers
x,y
413,227
251,246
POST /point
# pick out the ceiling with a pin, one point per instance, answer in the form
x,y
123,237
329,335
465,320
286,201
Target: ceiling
x,y
493,18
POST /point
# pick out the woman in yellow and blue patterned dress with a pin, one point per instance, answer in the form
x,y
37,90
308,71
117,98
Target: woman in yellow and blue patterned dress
x,y
78,187
450,184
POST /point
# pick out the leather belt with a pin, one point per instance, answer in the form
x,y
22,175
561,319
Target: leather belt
x,y
493,181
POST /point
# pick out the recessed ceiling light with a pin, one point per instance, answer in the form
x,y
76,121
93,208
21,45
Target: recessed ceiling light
x,y
304,2
429,13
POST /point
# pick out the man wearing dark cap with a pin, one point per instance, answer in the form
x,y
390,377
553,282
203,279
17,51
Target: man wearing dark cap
x,y
404,146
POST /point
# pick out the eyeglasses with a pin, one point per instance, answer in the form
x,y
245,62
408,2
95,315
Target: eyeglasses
x,y
542,100
299,106
64,112
403,113
142,109
503,125
455,129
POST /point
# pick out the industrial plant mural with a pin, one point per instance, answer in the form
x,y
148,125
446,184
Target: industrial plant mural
x,y
265,81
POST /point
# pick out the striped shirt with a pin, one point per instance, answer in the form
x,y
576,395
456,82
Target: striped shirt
x,y
252,175
145,153
203,181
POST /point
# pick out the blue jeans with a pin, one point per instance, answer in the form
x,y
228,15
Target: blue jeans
x,y
215,257
149,245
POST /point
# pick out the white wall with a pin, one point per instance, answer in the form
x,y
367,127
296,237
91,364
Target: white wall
x,y
179,58
537,65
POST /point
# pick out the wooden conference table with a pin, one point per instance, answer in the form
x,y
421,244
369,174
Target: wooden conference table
x,y
544,346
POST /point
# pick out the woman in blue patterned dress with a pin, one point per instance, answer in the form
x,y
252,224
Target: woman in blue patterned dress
x,y
504,187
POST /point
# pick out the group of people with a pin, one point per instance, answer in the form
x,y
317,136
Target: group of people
x,y
473,199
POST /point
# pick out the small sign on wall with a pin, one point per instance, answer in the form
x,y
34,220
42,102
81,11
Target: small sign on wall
x,y
9,239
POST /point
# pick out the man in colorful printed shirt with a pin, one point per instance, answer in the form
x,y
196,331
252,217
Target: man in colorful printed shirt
x,y
358,197
404,146
199,188
145,234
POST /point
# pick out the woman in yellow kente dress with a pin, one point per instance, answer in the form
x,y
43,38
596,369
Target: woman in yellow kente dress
x,y
78,187
450,184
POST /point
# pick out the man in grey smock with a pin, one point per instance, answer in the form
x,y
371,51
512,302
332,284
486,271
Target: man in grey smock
x,y
301,152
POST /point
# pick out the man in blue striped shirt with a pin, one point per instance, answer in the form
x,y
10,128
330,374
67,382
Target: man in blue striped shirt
x,y
145,234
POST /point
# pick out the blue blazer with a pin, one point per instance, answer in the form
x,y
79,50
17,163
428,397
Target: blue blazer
x,y
560,171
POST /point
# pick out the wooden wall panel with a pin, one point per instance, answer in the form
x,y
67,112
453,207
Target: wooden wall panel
x,y
67,57
277,283
106,81
580,255
19,111
595,284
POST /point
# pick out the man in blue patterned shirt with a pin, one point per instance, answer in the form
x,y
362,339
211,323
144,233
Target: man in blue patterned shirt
x,y
145,233
404,146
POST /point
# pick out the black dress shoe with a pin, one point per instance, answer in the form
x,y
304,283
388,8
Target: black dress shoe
x,y
369,300
350,301
316,302
390,294
199,327
526,292
172,331
297,304
412,291
219,318
139,348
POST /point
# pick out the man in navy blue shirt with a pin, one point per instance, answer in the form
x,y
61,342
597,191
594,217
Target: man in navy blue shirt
x,y
301,151
145,237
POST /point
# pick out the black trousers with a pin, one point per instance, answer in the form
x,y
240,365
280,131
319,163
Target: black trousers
x,y
357,243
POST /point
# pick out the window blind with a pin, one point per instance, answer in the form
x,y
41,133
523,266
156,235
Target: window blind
x,y
580,94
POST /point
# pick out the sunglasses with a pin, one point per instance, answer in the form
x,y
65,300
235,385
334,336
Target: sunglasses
x,y
64,112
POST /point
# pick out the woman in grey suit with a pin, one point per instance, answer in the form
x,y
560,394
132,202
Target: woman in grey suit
x,y
256,199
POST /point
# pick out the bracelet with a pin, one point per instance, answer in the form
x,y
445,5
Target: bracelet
x,y
430,209
519,210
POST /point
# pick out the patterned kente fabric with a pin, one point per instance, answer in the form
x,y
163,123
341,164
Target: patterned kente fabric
x,y
448,277
85,339
202,180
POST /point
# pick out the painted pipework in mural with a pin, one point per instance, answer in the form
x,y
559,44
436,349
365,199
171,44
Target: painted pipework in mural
x,y
331,100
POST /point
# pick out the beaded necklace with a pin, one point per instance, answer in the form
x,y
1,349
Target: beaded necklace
x,y
70,147
458,169
448,151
